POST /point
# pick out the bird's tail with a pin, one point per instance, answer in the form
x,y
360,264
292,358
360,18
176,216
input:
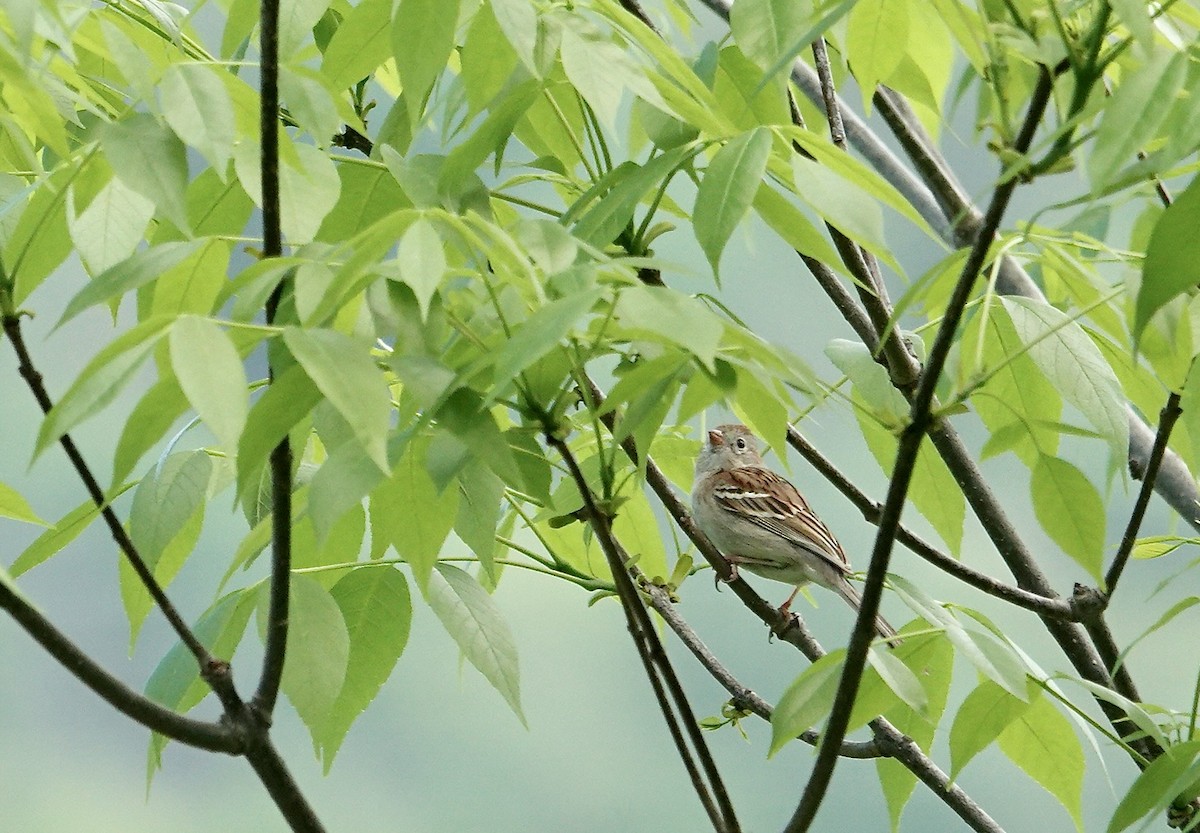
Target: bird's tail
x,y
882,627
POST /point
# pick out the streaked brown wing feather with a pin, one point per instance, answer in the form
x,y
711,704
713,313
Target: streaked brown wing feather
x,y
767,499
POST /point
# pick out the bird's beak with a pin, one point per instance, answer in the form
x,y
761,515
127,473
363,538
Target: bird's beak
x,y
715,438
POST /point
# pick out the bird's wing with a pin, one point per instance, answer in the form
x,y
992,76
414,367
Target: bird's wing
x,y
763,497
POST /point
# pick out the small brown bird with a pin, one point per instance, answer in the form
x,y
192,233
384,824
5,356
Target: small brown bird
x,y
760,521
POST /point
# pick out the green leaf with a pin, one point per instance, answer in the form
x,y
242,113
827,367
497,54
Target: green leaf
x,y
1132,117
728,189
210,373
986,712
362,42
40,241
488,59
101,380
422,38
416,535
482,493
994,659
674,317
151,160
848,207
542,332
1172,264
601,71
344,372
13,505
344,479
197,105
66,530
377,609
1042,742
1135,14
138,270
288,400
134,595
112,225
765,29
310,101
900,679
296,21
1157,787
601,223
931,658
318,650
793,227
166,499
308,186
518,20
1071,511
175,682
421,258
1075,366
807,700
876,39
474,622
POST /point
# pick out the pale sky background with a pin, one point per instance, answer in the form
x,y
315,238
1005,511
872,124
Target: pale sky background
x,y
439,750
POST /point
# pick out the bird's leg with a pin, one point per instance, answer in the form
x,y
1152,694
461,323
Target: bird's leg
x,y
786,608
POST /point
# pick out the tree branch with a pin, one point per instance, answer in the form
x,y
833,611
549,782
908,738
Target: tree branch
x,y
1042,605
1166,422
281,456
790,628
215,671
654,658
215,737
906,458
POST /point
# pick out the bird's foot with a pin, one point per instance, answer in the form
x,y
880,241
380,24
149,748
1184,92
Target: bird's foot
x,y
719,579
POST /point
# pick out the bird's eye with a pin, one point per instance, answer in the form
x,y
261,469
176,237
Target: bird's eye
x,y
741,443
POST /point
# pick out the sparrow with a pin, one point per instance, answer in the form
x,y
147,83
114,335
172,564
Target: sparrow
x,y
760,521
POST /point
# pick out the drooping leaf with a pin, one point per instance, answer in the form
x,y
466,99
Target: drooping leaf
x,y
1172,264
807,700
377,609
471,617
343,370
166,499
1042,743
727,191
318,649
101,380
416,535
1071,510
1074,366
197,105
422,38
151,160
210,373
1158,786
986,712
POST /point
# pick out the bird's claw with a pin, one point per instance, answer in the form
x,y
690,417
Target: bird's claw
x,y
719,579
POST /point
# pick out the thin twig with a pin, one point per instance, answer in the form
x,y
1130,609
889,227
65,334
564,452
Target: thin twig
x,y
215,737
889,740
862,264
1045,606
1166,422
902,470
712,794
214,670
